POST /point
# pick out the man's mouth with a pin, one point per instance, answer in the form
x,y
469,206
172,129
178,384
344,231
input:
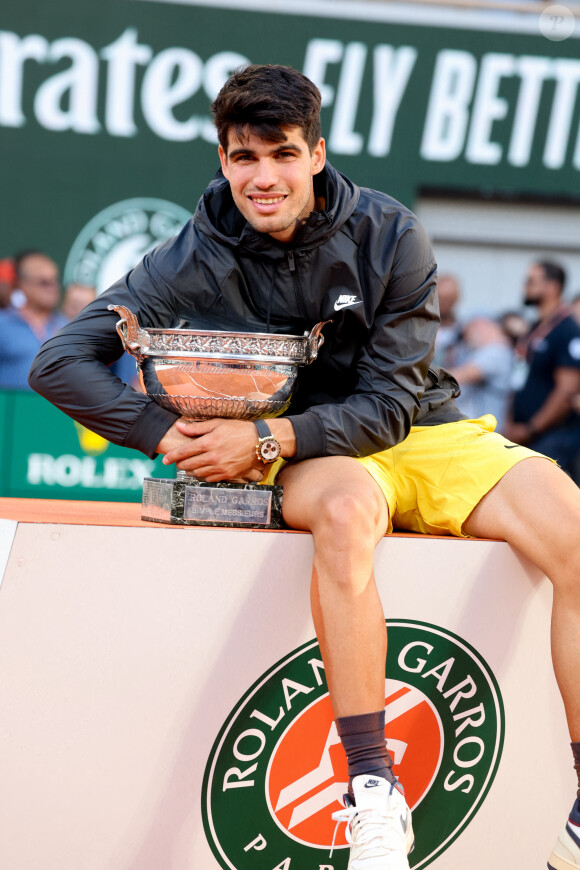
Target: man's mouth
x,y
267,204
267,200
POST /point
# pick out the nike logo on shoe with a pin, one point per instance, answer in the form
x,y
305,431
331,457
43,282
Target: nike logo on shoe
x,y
511,446
372,783
346,301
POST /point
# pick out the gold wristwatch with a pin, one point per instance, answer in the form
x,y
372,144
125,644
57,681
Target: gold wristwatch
x,y
268,448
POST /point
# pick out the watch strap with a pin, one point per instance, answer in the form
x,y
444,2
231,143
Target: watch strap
x,y
263,429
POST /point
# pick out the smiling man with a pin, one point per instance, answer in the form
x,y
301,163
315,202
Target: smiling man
x,y
272,184
280,241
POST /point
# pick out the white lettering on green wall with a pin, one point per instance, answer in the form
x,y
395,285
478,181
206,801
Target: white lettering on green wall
x,y
68,99
500,108
469,113
390,68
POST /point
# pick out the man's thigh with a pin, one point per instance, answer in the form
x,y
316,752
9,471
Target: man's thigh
x,y
535,507
442,472
312,485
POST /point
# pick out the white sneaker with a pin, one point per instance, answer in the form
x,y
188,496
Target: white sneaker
x,y
379,825
566,852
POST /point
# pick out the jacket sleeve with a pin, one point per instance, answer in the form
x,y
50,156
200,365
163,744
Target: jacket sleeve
x,y
392,365
72,369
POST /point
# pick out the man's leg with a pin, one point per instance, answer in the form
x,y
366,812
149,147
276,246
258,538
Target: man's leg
x,y
536,507
338,501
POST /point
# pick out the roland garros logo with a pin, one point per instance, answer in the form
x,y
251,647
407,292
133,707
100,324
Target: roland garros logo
x,y
116,239
277,769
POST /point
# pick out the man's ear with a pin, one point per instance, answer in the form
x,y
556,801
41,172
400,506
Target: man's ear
x,y
223,161
318,157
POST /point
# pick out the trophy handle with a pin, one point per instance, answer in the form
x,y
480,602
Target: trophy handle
x,y
136,341
316,340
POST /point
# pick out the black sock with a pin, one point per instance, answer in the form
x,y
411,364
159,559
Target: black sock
x,y
576,754
363,739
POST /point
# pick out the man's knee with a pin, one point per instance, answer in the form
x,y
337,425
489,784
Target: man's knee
x,y
565,573
348,516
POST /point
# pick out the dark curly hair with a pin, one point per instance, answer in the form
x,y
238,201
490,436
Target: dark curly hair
x,y
265,98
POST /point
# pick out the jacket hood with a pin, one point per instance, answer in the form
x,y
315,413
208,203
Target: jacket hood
x,y
218,217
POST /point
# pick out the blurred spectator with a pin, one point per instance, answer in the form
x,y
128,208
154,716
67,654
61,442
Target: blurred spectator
x,y
514,325
483,370
76,297
575,307
547,371
18,297
7,281
449,332
23,330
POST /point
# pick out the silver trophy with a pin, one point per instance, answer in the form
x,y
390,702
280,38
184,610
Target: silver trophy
x,y
203,374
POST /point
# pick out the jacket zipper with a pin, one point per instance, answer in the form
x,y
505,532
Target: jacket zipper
x,y
297,285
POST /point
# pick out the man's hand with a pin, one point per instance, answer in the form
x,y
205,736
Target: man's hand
x,y
213,450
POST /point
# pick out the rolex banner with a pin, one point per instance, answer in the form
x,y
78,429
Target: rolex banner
x,y
45,454
106,140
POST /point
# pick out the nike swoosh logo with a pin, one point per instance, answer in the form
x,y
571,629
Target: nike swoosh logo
x,y
372,783
511,446
338,306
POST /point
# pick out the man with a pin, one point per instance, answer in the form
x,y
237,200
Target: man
x,y
75,298
449,333
7,281
280,241
23,330
547,371
483,369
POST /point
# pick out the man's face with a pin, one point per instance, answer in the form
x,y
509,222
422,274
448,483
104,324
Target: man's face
x,y
271,182
76,297
39,282
448,293
536,285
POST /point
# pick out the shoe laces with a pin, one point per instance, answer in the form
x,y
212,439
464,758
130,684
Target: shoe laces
x,y
378,832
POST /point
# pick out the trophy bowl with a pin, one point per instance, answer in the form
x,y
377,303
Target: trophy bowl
x,y
204,374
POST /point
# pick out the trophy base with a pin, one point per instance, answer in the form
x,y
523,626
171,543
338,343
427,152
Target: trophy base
x,y
190,502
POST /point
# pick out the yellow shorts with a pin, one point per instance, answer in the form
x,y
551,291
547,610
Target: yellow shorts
x,y
434,479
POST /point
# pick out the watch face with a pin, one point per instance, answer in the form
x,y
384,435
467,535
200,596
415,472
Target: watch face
x,y
269,450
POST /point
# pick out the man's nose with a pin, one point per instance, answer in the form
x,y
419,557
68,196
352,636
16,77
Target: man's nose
x,y
266,174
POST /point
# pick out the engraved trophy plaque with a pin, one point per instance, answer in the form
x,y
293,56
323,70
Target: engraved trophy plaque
x,y
205,374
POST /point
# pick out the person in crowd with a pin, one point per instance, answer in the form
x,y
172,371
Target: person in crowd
x,y
279,241
514,325
449,333
575,307
7,281
483,370
547,371
24,329
75,298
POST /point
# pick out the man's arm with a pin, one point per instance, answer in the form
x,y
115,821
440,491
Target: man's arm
x,y
554,410
468,373
72,370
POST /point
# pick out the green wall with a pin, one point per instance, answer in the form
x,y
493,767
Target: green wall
x,y
108,102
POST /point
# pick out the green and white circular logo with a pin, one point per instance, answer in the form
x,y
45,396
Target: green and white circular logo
x,y
116,239
277,769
